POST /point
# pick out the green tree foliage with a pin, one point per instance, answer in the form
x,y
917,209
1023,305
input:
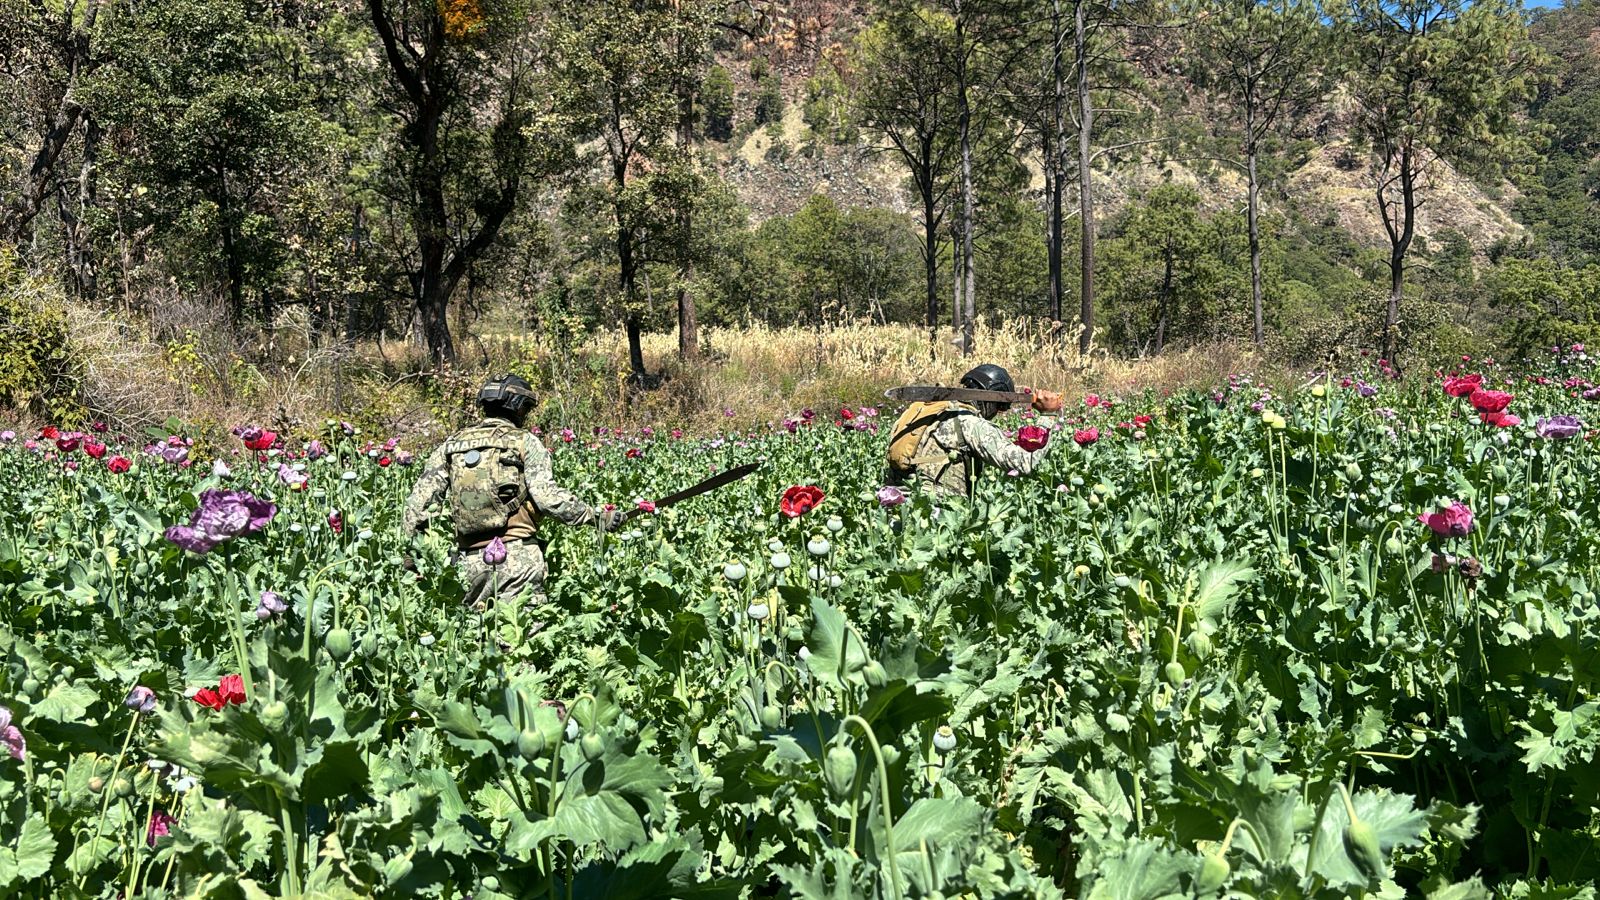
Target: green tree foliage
x,y
769,98
1170,271
210,127
903,100
1562,202
1261,59
716,105
472,124
1544,304
622,70
827,263
1434,82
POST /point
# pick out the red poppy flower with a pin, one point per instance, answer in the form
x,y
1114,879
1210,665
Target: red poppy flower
x,y
799,500
1141,420
1490,401
49,433
1462,386
66,444
262,441
336,522
1091,401
209,699
634,453
1086,436
383,462
846,414
118,464
95,450
1032,438
231,690
1499,419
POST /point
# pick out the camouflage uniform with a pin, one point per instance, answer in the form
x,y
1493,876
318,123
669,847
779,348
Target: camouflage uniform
x,y
952,450
524,568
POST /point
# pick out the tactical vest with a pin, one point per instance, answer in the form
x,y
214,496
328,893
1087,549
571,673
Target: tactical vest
x,y
911,432
487,488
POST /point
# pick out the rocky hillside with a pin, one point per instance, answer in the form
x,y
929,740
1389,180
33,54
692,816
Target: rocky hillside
x,y
776,167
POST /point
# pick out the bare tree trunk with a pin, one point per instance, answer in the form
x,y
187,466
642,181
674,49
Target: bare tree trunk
x,y
1055,172
74,212
688,326
1164,303
78,61
1400,243
1085,181
958,277
969,276
930,257
1254,227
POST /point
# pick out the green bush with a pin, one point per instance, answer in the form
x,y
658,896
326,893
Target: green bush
x,y
40,370
716,105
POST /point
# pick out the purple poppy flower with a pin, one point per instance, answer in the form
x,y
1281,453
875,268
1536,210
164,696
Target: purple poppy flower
x,y
495,553
290,477
221,516
1366,390
1559,427
141,700
404,458
7,436
174,453
315,450
890,496
271,605
11,736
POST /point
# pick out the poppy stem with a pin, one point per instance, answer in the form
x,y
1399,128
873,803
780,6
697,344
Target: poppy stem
x,y
109,788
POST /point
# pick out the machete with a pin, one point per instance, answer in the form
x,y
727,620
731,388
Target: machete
x,y
710,484
927,392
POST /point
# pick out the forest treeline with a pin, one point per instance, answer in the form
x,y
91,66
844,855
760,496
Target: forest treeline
x,y
409,166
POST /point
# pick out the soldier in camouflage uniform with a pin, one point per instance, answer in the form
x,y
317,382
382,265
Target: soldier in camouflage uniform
x,y
946,443
495,481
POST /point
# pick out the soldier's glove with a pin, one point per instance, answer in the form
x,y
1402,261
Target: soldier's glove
x,y
609,519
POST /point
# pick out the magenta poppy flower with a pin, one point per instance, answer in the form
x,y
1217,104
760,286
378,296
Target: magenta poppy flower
x,y
1453,521
11,736
160,826
1086,436
1032,437
890,496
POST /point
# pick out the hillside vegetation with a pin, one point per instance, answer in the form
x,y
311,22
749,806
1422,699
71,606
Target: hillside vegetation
x,y
340,192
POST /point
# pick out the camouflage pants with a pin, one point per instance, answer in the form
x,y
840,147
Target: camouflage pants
x,y
521,575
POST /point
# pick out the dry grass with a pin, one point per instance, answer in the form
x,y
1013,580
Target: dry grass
x,y
760,374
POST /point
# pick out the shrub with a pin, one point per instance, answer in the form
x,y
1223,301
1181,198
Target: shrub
x,y
39,368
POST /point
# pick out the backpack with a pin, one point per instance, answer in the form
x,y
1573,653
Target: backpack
x,y
486,483
912,427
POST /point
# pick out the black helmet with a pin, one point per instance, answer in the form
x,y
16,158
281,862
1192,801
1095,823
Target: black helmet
x,y
508,394
989,377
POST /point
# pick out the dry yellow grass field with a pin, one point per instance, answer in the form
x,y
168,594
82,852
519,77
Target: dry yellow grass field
x,y
759,374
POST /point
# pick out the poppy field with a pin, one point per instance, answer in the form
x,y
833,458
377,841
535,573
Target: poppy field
x,y
1337,642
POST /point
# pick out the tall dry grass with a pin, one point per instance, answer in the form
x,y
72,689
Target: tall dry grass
x,y
138,377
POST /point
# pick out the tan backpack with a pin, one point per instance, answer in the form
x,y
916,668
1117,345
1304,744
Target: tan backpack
x,y
912,427
486,480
